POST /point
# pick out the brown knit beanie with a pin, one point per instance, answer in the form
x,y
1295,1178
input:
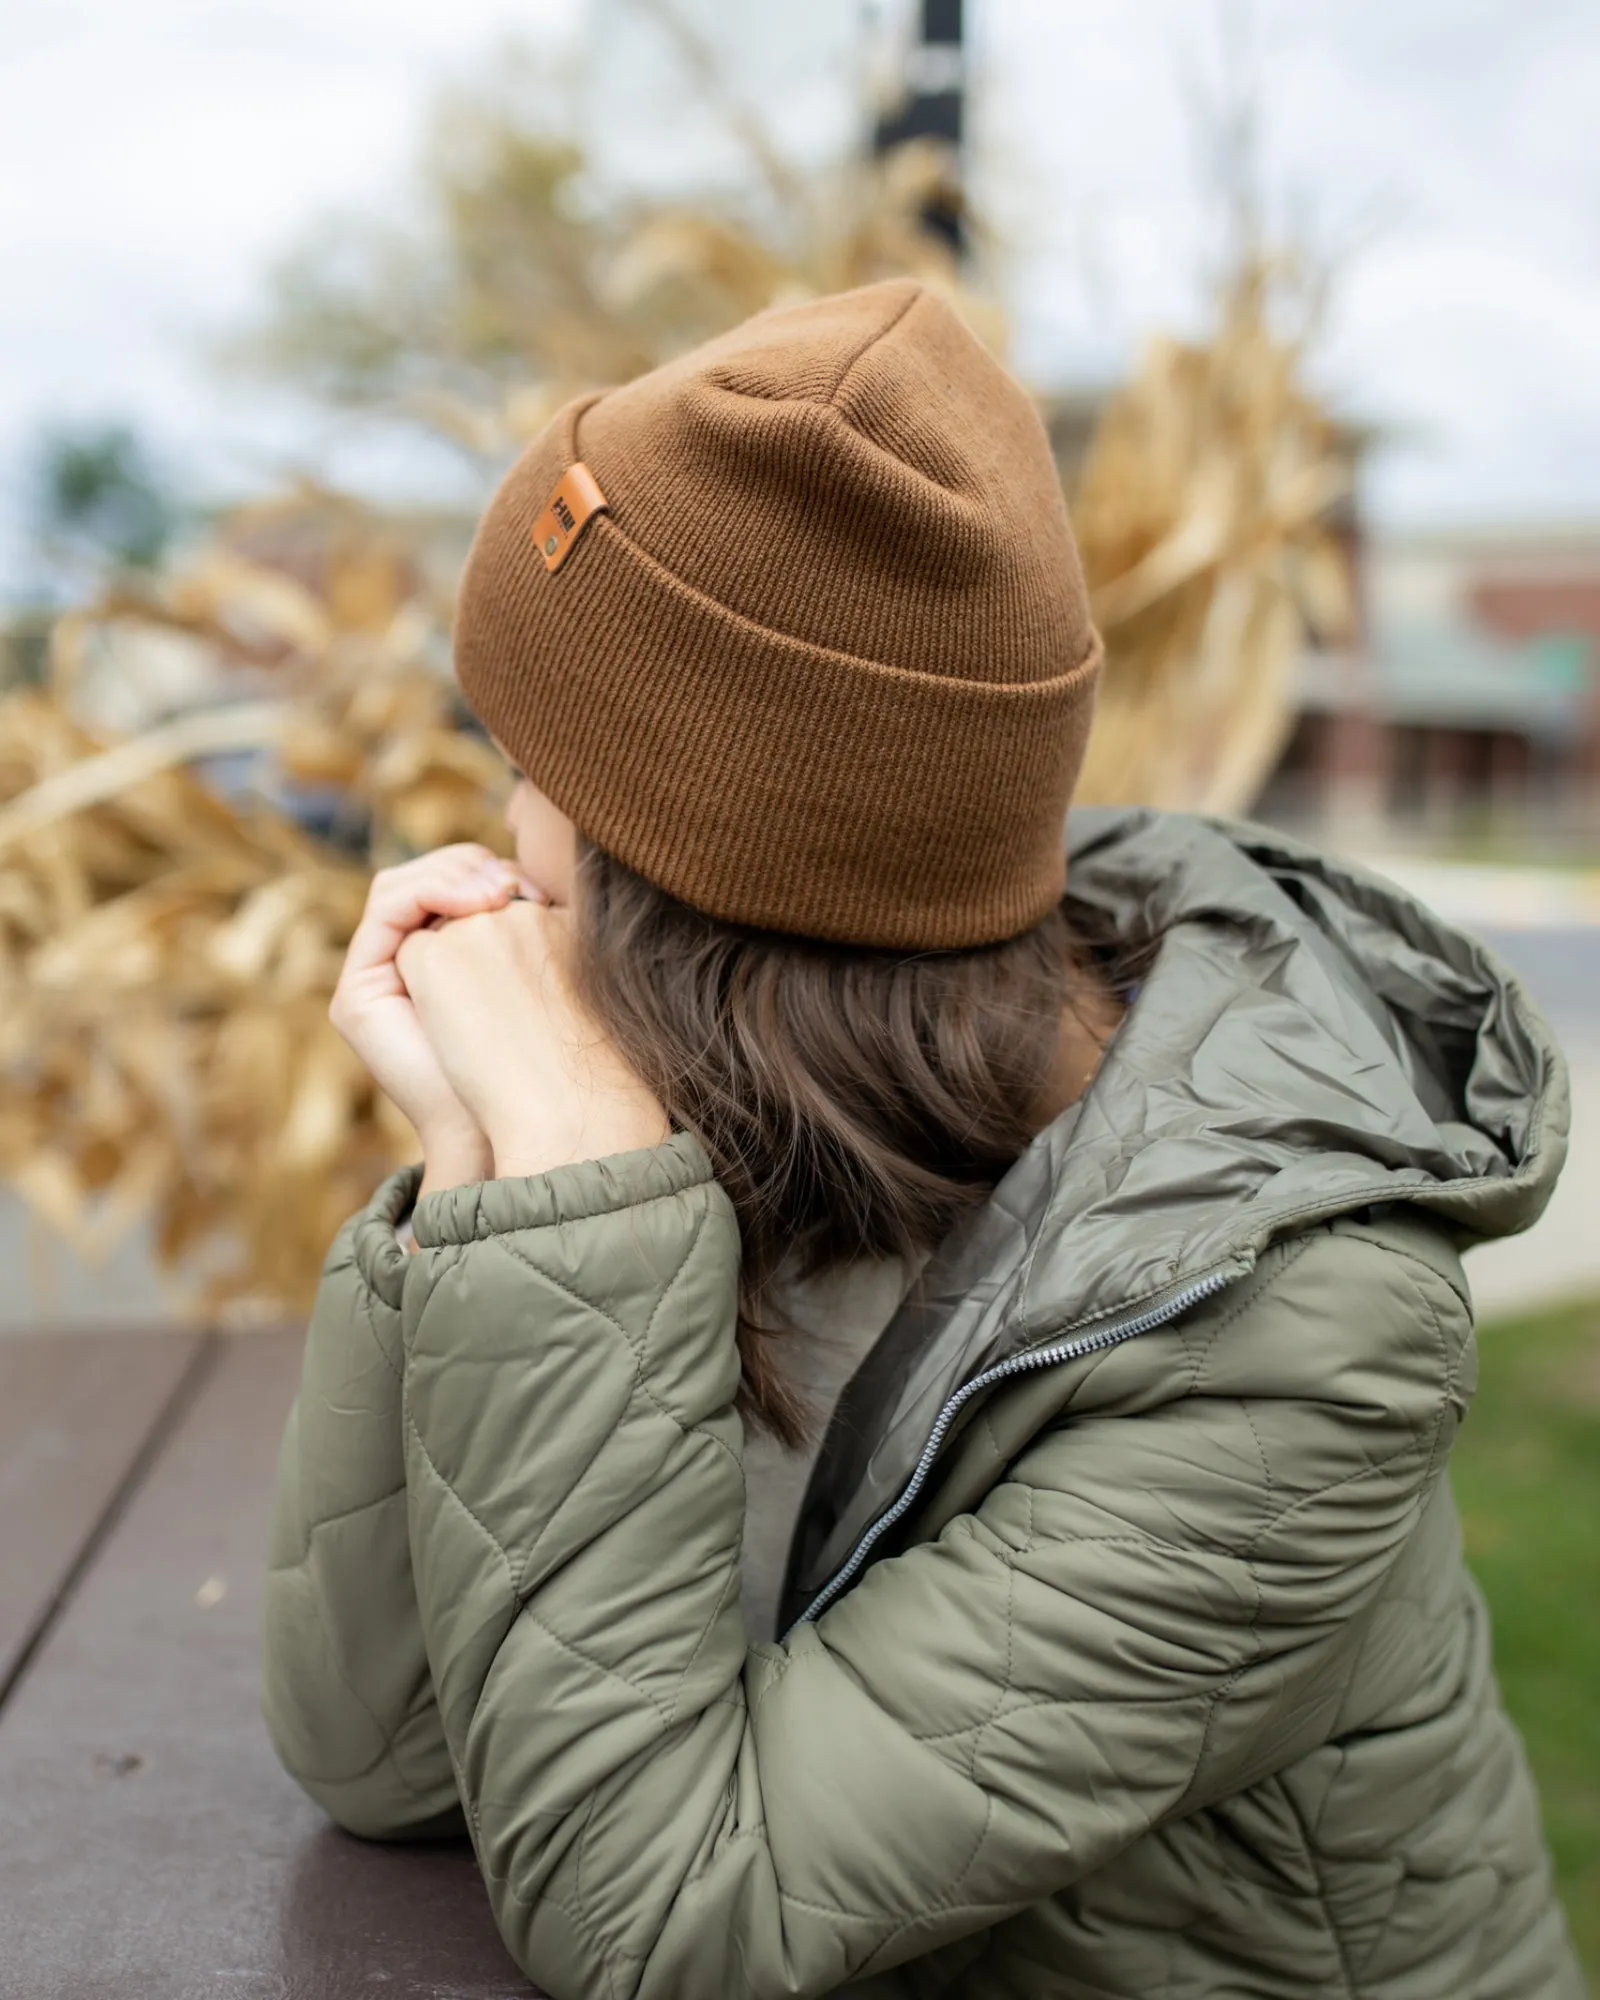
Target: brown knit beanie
x,y
803,639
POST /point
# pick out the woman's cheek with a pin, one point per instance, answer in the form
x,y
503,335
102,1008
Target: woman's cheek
x,y
546,843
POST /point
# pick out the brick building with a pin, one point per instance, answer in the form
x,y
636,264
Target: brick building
x,y
1473,705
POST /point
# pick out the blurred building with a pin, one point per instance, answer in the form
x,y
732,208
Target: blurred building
x,y
1472,710
1468,707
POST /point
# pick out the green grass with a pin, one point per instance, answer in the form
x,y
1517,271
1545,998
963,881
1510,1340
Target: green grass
x,y
1527,1475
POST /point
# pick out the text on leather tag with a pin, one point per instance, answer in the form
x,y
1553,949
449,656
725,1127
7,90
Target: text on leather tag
x,y
568,511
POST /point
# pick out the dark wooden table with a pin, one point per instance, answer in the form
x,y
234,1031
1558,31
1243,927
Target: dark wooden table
x,y
149,1844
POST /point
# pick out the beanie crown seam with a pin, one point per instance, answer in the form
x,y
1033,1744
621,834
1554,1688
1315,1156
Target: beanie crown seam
x,y
817,399
881,333
829,408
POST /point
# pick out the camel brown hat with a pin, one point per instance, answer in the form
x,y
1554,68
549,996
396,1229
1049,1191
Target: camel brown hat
x,y
795,627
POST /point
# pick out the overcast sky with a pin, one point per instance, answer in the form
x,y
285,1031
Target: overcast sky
x,y
156,154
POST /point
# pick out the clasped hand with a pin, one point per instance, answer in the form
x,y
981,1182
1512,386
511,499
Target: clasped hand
x,y
455,994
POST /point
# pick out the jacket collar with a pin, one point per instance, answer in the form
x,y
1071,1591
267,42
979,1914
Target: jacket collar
x,y
1309,1041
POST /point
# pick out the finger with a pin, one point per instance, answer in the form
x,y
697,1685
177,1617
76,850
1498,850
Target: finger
x,y
444,876
412,960
455,956
454,883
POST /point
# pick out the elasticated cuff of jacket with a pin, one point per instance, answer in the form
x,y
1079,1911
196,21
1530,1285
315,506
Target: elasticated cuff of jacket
x,y
565,1194
379,1256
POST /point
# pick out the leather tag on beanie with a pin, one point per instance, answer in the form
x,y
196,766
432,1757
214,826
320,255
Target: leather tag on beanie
x,y
568,511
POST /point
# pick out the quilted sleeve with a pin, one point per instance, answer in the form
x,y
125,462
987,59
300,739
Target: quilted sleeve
x,y
347,1693
1149,1608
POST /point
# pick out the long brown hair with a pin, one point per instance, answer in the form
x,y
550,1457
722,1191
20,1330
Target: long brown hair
x,y
852,1102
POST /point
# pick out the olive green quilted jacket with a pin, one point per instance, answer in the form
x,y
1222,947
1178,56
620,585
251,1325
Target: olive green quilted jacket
x,y
1131,1652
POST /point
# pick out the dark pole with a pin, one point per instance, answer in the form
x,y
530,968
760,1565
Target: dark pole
x,y
931,106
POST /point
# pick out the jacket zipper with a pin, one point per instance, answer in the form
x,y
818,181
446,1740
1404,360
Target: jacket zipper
x,y
1019,1364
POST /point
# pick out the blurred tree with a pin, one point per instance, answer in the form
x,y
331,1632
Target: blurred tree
x,y
528,273
98,502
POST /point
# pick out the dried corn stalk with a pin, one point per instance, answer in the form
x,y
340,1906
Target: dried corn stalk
x,y
166,957
1202,515
165,1053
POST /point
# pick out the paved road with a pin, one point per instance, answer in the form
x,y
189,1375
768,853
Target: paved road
x,y
1560,1257
1562,971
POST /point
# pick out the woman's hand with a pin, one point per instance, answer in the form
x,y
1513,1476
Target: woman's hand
x,y
538,1075
373,1011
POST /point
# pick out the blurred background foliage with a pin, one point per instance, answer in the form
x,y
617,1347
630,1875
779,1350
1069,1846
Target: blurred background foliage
x,y
99,503
240,716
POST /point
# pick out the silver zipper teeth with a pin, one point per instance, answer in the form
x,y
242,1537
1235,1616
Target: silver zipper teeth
x,y
1019,1364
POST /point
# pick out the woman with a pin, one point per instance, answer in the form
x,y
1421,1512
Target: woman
x,y
1121,1643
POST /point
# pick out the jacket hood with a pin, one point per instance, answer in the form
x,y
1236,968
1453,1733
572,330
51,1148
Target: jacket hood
x,y
1308,1041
